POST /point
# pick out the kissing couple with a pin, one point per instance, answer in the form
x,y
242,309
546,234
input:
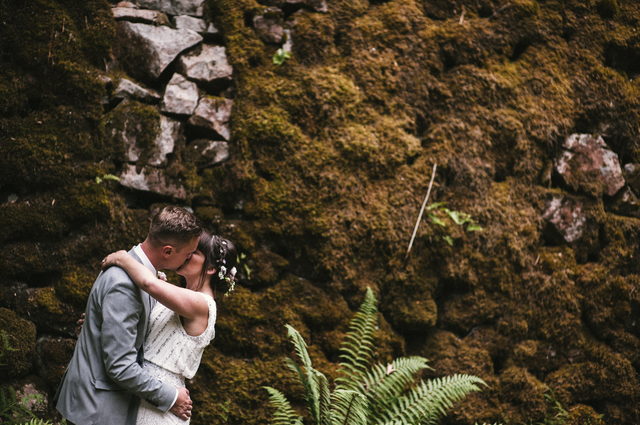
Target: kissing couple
x,y
142,336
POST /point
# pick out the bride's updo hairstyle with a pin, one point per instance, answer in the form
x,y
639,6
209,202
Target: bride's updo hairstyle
x,y
220,254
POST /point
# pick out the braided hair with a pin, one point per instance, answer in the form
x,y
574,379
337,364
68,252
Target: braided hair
x,y
220,254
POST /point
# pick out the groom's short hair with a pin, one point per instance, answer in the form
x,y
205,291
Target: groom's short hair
x,y
174,226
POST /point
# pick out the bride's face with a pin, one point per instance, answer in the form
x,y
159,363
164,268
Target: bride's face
x,y
192,268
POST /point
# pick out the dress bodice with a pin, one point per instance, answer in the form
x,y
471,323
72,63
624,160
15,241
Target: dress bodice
x,y
168,345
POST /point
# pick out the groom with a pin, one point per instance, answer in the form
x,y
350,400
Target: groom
x,y
105,381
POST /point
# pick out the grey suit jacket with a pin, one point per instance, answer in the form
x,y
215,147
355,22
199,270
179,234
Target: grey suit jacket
x,y
105,381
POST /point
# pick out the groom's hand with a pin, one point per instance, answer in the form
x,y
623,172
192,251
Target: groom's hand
x,y
182,407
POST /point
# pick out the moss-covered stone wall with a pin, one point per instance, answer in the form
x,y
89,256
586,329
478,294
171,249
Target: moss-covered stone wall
x,y
331,157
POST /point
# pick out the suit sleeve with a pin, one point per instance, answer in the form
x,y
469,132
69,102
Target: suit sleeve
x,y
121,310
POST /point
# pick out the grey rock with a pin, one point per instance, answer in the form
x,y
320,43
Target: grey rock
x,y
151,179
269,26
165,142
174,7
127,89
626,202
632,176
185,22
207,153
213,33
212,117
210,65
565,217
586,159
155,47
180,96
143,16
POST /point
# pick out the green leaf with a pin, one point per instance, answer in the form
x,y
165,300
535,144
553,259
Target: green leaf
x,y
474,228
458,217
435,205
111,177
280,56
436,220
448,239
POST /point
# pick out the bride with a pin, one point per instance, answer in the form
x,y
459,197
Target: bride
x,y
182,322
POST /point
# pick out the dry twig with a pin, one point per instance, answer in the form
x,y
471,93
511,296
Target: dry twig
x,y
424,204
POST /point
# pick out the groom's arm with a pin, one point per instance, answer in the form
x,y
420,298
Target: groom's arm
x,y
121,310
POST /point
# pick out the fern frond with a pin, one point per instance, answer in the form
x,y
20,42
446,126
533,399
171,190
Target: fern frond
x,y
284,415
300,346
429,400
384,385
310,382
324,398
357,347
348,408
293,366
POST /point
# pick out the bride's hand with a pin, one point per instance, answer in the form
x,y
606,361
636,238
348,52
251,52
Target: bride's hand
x,y
112,259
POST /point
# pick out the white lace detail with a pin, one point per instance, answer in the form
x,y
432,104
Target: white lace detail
x,y
167,344
150,415
171,355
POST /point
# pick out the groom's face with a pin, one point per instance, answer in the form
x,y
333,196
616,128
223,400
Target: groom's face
x,y
178,258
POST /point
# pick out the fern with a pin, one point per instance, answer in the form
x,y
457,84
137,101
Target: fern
x,y
357,348
369,396
384,385
284,414
309,381
349,407
429,400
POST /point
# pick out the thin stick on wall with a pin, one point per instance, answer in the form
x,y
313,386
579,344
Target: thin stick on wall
x,y
424,204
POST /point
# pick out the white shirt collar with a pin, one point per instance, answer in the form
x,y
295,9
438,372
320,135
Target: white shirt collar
x,y
145,260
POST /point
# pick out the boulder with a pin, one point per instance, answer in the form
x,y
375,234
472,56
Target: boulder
x,y
142,16
184,22
292,6
153,180
207,153
148,50
209,66
55,355
585,160
269,26
174,7
180,96
632,176
50,313
565,218
127,89
165,142
626,202
20,335
211,117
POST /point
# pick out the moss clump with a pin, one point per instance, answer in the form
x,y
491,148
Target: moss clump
x,y
521,389
20,335
75,285
55,355
135,122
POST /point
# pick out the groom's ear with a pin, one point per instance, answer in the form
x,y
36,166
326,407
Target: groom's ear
x,y
167,250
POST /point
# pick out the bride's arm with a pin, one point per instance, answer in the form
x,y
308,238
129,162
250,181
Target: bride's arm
x,y
183,301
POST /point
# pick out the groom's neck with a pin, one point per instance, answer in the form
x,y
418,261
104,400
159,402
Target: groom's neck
x,y
152,254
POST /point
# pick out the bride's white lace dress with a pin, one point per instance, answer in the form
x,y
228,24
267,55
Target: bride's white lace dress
x,y
172,355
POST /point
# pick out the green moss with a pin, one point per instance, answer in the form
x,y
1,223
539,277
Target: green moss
x,y
525,391
21,336
75,285
133,121
45,299
55,355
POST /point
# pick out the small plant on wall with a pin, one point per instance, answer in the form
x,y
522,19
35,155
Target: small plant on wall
x,y
366,395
